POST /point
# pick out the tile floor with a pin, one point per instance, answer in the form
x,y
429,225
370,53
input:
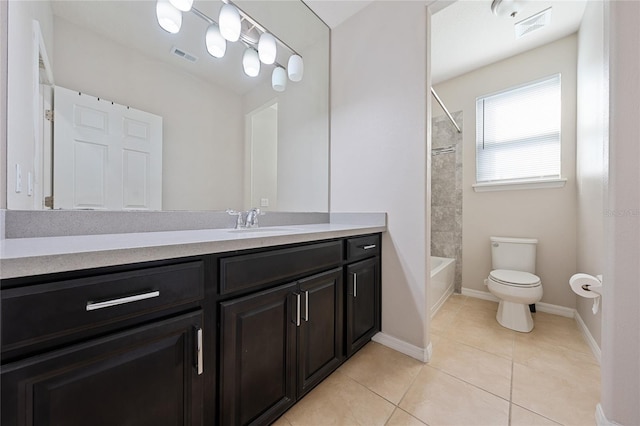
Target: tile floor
x,y
480,374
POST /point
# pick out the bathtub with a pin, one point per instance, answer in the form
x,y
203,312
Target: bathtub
x,y
443,272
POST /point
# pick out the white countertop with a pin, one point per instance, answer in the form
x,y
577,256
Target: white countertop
x,y
34,256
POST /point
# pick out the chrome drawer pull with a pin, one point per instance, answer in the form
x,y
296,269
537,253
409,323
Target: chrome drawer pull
x,y
355,285
92,306
297,309
306,306
369,247
199,352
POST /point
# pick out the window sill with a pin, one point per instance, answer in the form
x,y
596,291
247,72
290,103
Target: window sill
x,y
518,185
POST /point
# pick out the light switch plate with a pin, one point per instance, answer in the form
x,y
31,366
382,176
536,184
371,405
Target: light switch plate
x,y
264,202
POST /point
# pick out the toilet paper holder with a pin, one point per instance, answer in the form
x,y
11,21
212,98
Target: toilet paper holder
x,y
596,288
588,286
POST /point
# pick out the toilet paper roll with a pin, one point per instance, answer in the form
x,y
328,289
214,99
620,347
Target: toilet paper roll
x,y
585,285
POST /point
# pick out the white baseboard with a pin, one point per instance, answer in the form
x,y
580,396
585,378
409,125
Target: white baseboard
x,y
601,419
445,296
549,309
588,337
421,354
484,295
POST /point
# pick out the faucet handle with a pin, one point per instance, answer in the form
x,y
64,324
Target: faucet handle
x,y
239,222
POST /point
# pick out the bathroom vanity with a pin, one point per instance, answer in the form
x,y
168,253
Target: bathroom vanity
x,y
234,335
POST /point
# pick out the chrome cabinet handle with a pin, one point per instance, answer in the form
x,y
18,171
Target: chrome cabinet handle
x,y
199,352
92,306
297,309
369,247
355,285
306,306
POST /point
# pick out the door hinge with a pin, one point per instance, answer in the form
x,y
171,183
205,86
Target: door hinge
x,y
48,201
48,114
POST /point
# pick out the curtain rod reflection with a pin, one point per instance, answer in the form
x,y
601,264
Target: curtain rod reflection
x,y
446,111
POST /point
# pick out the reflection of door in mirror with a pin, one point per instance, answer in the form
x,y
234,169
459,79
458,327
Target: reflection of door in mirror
x,y
106,156
262,157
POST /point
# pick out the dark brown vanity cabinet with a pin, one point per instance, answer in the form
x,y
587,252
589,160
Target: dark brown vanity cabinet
x,y
112,348
362,291
277,344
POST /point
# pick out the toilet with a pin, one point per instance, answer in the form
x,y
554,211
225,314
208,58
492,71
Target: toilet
x,y
512,280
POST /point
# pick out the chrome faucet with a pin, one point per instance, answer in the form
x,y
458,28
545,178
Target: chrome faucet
x,y
248,219
252,218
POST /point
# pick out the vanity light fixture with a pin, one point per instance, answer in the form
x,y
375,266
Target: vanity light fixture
x,y
216,44
279,79
295,67
267,48
230,23
261,45
169,18
182,5
251,62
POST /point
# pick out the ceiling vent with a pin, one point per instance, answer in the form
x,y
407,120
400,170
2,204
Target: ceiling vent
x,y
183,54
533,23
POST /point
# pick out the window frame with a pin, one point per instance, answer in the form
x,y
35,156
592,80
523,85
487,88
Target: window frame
x,y
533,182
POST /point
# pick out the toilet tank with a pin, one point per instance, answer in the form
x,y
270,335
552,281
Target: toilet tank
x,y
517,254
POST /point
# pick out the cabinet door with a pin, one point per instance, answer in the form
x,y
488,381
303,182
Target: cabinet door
x,y
320,335
145,376
257,356
363,303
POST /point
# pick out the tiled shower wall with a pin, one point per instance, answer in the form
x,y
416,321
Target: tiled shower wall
x,y
446,193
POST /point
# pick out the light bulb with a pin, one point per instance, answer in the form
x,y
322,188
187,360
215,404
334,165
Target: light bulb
x,y
295,68
279,79
267,48
229,21
216,44
183,5
169,18
251,62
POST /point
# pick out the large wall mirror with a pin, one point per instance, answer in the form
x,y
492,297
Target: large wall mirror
x,y
227,140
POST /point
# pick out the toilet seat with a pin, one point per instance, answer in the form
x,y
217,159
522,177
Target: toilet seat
x,y
514,278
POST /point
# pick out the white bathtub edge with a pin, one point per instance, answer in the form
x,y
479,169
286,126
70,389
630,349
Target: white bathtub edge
x,y
421,354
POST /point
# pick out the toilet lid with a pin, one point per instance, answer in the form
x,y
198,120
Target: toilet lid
x,y
517,278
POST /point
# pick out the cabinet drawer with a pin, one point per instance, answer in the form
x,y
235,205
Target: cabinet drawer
x,y
48,311
363,247
252,271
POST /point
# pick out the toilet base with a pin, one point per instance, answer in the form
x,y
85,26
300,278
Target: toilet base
x,y
514,316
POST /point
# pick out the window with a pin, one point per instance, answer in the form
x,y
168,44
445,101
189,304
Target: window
x,y
518,134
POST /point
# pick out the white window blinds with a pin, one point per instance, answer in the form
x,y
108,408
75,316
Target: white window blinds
x,y
518,133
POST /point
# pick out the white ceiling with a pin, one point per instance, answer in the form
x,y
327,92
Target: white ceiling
x,y
335,12
466,35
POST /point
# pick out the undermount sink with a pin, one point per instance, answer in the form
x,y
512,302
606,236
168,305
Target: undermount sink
x,y
271,230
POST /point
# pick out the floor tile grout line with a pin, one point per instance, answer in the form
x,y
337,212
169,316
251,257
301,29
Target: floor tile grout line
x,y
536,413
511,390
411,384
470,384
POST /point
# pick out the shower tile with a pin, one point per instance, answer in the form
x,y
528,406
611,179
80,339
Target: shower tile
x,y
382,370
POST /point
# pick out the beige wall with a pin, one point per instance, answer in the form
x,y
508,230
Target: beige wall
x,y
591,155
378,148
203,142
546,214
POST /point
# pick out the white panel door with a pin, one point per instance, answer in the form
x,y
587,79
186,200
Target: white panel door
x,y
106,156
